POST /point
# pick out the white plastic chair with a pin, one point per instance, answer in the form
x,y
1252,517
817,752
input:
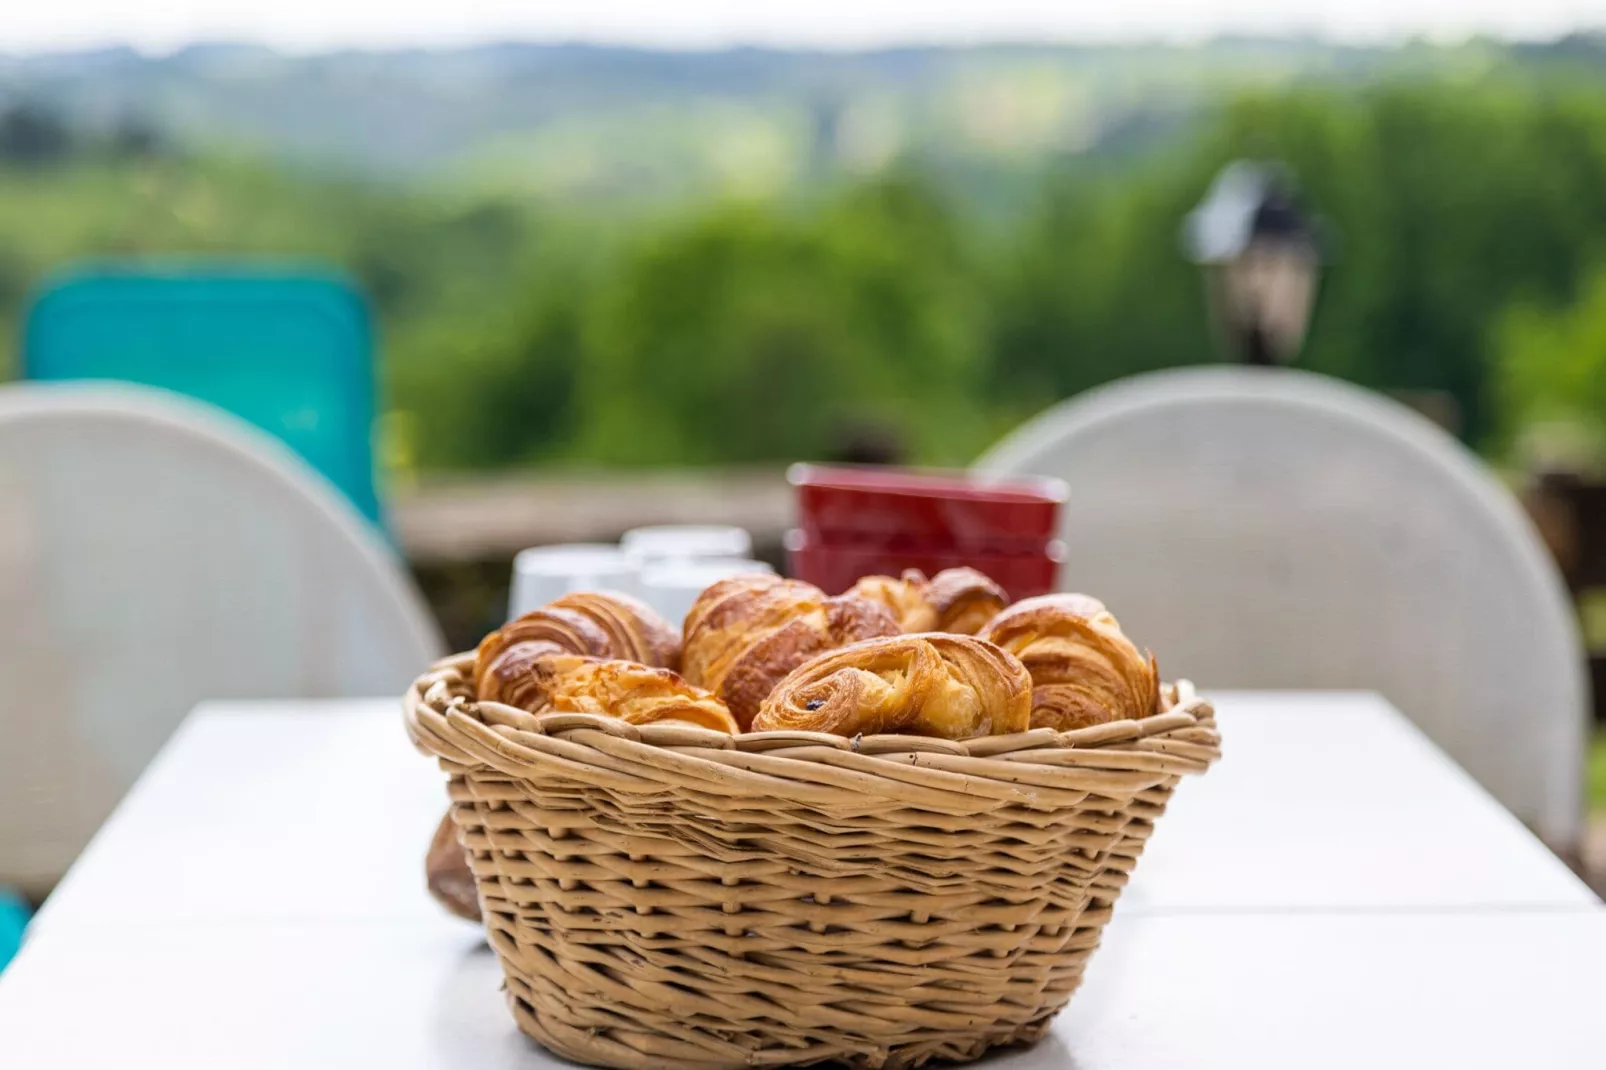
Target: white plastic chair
x,y
1263,528
154,553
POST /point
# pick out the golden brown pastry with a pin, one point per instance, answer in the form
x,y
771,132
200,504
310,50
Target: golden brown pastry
x,y
596,624
1085,671
904,596
745,633
950,686
634,693
446,871
959,600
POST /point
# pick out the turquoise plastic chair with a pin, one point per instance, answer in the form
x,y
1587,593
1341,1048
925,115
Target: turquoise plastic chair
x,y
13,920
290,351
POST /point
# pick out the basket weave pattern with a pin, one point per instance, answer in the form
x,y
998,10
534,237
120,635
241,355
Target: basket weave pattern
x,y
668,897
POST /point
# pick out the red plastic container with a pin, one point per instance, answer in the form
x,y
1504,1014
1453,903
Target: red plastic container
x,y
925,511
835,568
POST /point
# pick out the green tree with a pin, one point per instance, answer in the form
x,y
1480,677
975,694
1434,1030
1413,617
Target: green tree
x,y
749,334
494,394
1551,365
1449,200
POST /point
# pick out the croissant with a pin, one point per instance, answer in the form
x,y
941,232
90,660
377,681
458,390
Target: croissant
x,y
634,693
597,624
1085,671
745,633
959,600
950,686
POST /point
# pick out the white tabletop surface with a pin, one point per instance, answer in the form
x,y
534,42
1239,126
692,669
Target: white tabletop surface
x,y
1334,894
1321,801
1346,991
1336,801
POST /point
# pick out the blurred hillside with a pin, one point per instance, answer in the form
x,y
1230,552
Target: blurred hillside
x,y
593,256
612,123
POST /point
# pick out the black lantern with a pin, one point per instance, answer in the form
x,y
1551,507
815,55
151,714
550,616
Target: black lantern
x,y
1262,257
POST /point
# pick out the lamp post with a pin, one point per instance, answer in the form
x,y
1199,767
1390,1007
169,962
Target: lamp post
x,y
1262,257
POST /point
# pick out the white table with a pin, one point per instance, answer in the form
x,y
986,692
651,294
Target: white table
x,y
1337,802
1274,921
1319,802
1379,992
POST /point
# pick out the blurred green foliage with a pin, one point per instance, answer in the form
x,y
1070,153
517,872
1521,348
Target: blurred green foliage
x,y
1470,216
1551,369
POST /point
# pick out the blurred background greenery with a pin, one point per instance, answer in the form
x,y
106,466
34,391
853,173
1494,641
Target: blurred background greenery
x,y
606,256
585,256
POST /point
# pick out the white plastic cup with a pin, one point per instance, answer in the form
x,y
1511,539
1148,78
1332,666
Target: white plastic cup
x,y
686,542
543,573
671,587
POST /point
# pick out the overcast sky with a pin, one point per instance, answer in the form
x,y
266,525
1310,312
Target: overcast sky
x,y
29,25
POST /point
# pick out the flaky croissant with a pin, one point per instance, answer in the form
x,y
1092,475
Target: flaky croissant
x,y
745,633
560,682
1085,671
950,686
958,600
596,624
636,694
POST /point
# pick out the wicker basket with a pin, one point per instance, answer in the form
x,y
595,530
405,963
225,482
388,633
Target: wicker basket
x,y
668,897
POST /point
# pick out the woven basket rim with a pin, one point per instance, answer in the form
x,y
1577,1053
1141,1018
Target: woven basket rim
x,y
443,720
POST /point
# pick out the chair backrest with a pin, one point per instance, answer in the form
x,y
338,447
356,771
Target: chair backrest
x,y
1264,528
155,552
288,351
